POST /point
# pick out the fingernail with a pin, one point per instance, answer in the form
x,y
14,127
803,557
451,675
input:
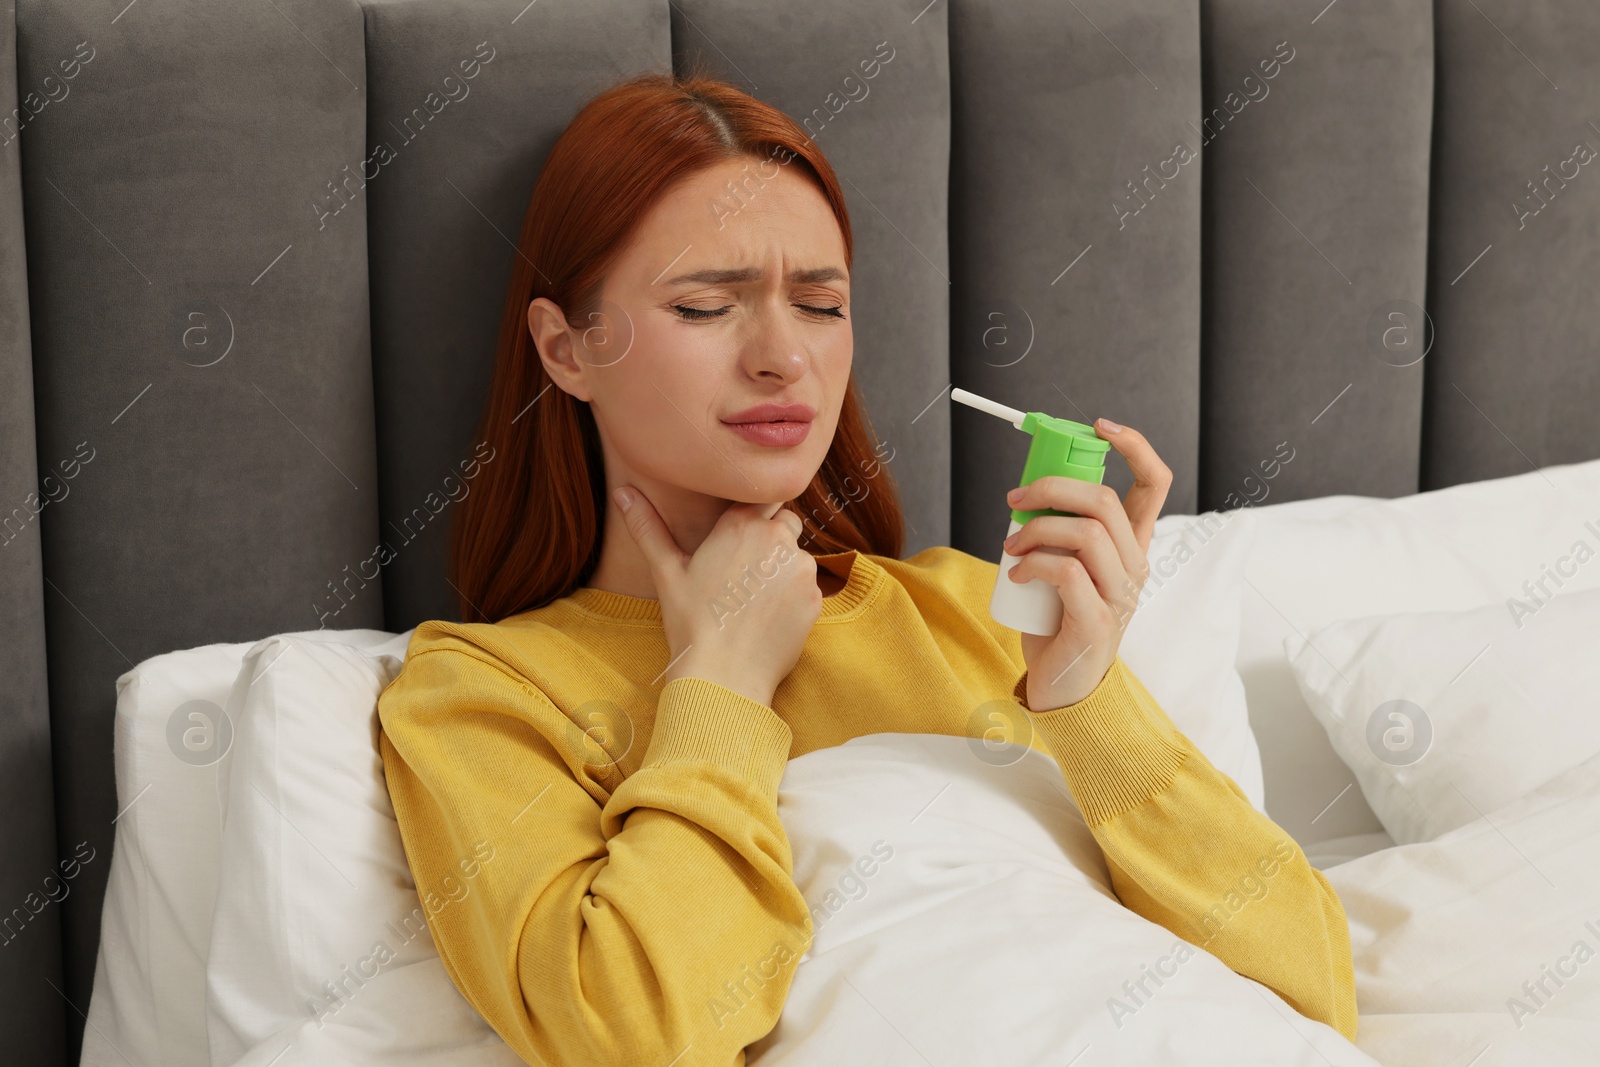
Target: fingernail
x,y
623,498
1015,495
1108,426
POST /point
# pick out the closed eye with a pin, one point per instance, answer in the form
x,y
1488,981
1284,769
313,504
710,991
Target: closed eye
x,y
834,312
700,314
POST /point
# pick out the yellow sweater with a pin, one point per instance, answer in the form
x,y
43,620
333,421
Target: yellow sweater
x,y
598,853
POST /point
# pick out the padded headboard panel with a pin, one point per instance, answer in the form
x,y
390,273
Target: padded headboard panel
x,y
252,259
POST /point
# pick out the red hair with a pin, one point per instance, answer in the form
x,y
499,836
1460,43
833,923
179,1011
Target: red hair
x,y
531,532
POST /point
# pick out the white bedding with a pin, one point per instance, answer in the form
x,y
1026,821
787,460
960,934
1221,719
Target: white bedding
x,y
990,934
1445,933
1322,559
992,920
963,913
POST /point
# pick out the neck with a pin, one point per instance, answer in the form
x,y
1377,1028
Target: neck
x,y
689,518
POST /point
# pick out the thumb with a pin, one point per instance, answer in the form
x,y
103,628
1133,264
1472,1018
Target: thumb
x,y
649,531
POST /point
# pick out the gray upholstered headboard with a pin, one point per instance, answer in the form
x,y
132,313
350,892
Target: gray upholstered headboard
x,y
252,258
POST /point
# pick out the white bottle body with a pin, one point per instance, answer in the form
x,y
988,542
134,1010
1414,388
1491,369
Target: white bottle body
x,y
1033,607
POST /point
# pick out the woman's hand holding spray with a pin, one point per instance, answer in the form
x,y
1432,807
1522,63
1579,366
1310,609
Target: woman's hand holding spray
x,y
1096,560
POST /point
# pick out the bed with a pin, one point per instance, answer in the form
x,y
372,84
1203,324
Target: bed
x,y
243,345
260,905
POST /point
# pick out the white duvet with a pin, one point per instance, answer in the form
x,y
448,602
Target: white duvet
x,y
964,915
991,934
1484,942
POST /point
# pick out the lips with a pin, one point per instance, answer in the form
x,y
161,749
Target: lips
x,y
773,413
772,434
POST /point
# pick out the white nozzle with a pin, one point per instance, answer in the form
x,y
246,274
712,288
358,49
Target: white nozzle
x,y
1011,415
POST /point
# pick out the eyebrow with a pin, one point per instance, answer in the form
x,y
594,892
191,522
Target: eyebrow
x,y
755,274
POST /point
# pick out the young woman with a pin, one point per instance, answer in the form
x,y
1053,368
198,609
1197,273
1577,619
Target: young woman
x,y
680,568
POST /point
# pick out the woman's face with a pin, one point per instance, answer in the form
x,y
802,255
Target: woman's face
x,y
718,304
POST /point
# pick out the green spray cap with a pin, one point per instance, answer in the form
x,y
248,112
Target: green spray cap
x,y
1060,446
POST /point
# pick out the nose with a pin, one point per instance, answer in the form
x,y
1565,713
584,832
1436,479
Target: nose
x,y
774,349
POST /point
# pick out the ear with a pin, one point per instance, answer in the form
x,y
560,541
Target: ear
x,y
555,342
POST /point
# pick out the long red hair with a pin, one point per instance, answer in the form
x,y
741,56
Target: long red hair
x,y
531,531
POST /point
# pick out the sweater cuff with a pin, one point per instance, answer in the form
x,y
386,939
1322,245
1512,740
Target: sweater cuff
x,y
1116,747
699,721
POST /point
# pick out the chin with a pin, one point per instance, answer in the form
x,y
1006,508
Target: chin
x,y
788,485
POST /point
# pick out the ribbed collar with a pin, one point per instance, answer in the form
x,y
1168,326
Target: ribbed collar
x,y
860,586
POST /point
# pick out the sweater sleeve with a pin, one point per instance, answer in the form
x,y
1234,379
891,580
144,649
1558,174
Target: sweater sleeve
x,y
1186,849
657,924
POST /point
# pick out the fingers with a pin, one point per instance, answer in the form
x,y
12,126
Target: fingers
x,y
650,533
1151,479
777,511
1131,521
774,511
793,521
1088,539
661,550
1097,502
1079,598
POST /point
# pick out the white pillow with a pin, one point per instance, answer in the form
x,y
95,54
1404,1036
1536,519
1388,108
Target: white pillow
x,y
148,1001
962,913
1447,716
1183,639
172,737
319,939
1319,560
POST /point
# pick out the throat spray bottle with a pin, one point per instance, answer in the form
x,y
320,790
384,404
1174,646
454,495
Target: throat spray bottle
x,y
1060,446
